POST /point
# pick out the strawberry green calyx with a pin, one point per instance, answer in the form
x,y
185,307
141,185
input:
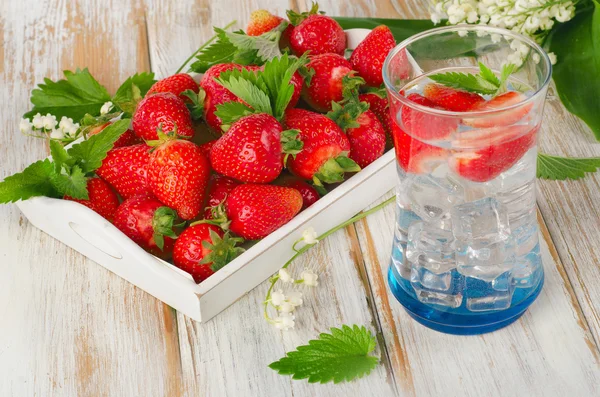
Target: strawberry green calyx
x,y
164,137
297,17
379,91
346,115
197,106
222,250
218,217
333,170
350,85
163,223
290,143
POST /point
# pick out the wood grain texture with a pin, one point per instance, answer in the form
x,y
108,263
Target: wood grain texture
x,y
69,326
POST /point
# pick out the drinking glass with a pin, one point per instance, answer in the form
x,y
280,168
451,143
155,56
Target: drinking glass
x,y
466,257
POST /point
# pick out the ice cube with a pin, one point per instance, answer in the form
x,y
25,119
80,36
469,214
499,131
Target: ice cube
x,y
430,248
433,198
485,219
483,259
495,294
528,272
444,289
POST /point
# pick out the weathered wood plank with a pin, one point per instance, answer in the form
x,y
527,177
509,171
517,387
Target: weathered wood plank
x,y
69,326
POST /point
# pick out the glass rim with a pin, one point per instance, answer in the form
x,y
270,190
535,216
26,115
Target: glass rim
x,y
474,28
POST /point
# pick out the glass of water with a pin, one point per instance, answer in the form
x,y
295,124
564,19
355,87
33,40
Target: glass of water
x,y
466,104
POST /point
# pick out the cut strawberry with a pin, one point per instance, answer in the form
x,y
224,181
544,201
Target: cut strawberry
x,y
499,149
451,98
415,156
426,126
502,118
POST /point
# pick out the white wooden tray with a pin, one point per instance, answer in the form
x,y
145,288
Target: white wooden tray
x,y
93,236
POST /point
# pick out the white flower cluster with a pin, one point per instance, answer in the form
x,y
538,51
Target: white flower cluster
x,y
532,18
48,126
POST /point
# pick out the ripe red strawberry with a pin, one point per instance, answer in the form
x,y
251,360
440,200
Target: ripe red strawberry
x,y
489,152
422,125
324,155
149,223
175,84
216,94
164,110
255,211
368,57
451,99
502,118
415,156
326,83
219,188
251,150
126,168
102,198
207,147
203,249
178,173
298,82
380,106
309,193
128,138
262,21
316,33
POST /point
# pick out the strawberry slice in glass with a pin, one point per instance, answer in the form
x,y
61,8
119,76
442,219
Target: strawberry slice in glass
x,y
414,156
501,118
426,126
452,99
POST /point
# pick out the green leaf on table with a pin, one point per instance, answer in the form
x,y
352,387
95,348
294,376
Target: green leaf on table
x,y
73,97
72,184
561,168
35,180
132,91
88,155
576,44
343,355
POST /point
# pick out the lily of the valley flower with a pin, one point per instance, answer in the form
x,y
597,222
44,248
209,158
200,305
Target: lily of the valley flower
x,y
49,122
309,278
38,121
106,107
25,126
277,298
285,276
310,236
284,321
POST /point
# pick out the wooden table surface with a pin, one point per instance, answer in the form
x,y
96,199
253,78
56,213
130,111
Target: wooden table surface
x,y
70,327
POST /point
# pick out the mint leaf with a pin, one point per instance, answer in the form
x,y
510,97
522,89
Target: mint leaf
x,y
79,94
73,184
561,168
230,112
132,91
488,75
35,180
343,355
465,81
88,155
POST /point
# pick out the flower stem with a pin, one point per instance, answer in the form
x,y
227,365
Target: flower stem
x,y
300,251
203,46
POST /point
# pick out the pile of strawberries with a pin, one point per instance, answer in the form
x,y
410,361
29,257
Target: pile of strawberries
x,y
202,170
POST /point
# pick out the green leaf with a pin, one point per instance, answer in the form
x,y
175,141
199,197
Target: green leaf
x,y
220,51
73,184
402,29
229,112
488,75
465,81
89,154
265,45
59,155
343,355
197,106
35,180
577,47
297,17
246,91
132,91
277,75
561,168
79,94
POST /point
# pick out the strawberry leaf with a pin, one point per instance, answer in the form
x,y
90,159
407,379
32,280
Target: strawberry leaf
x,y
132,91
73,184
277,75
73,97
342,355
266,45
35,180
246,91
561,168
230,112
59,155
221,51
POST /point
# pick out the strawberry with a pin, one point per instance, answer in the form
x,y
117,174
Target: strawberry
x,y
207,147
255,211
126,168
501,118
308,192
364,131
368,57
102,198
484,154
324,156
203,249
262,21
178,173
422,125
219,188
326,83
216,94
316,33
176,84
164,110
451,99
251,150
149,223
128,138
379,105
415,156
298,82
